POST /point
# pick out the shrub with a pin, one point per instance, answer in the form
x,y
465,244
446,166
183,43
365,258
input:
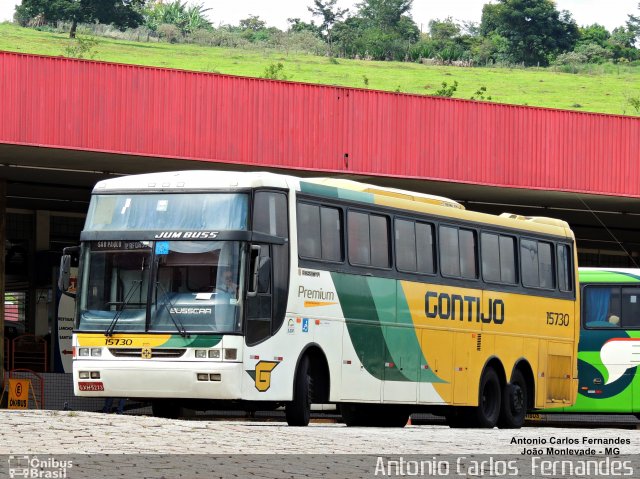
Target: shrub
x,y
169,33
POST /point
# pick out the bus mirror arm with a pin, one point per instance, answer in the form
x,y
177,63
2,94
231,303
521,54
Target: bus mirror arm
x,y
255,259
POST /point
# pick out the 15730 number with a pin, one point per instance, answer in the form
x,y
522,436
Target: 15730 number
x,y
557,319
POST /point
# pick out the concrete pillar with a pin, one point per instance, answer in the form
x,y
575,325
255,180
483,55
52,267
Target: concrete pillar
x,y
43,233
3,237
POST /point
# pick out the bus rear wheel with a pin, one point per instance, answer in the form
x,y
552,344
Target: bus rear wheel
x,y
486,414
514,403
298,411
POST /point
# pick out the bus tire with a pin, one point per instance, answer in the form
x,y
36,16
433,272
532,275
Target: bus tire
x,y
514,403
352,415
298,411
487,413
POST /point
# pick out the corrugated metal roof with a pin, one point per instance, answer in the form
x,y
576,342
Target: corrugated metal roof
x,y
96,106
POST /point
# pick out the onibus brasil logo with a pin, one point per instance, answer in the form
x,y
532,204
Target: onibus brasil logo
x,y
36,467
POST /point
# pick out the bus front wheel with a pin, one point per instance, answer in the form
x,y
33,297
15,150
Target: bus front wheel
x,y
298,411
514,403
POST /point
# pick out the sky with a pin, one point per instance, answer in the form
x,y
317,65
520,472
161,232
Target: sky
x,y
610,13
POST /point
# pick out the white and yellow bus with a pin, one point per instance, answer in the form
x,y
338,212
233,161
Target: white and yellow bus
x,y
209,289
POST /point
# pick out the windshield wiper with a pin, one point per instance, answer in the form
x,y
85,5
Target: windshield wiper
x,y
176,321
112,326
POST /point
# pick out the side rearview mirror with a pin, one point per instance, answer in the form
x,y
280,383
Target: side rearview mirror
x,y
64,279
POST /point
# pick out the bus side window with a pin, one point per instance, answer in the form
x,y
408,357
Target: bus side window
x,y
630,308
602,307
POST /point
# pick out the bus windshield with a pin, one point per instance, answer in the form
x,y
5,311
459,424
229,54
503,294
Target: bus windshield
x,y
190,286
140,212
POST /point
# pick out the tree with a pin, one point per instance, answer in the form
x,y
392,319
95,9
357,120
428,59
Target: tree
x,y
595,33
381,30
329,13
253,23
297,26
633,25
120,13
535,30
384,14
185,18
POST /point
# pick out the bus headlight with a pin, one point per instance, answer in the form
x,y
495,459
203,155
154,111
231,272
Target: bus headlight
x,y
95,374
214,353
201,353
83,352
83,374
96,352
203,377
231,354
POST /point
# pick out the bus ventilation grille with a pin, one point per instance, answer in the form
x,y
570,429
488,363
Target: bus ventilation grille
x,y
479,342
155,352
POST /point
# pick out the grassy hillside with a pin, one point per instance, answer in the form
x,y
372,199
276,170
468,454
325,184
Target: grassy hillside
x,y
606,88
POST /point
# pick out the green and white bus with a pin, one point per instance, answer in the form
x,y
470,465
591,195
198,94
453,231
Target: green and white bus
x,y
211,289
609,347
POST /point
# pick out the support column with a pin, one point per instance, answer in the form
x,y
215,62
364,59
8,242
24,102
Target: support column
x,y
41,305
3,238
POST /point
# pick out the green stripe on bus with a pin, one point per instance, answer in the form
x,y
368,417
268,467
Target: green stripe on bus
x,y
333,192
381,329
194,341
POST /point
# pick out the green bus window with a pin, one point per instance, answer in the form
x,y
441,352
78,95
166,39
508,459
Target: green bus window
x,y
630,308
601,306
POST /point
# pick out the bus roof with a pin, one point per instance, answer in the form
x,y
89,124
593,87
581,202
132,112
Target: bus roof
x,y
210,180
609,275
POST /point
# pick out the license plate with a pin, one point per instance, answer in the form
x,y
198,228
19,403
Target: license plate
x,y
84,386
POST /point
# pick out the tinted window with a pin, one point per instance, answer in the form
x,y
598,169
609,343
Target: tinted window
x,y
449,251
270,213
601,307
630,308
405,235
529,263
379,241
358,232
425,248
490,245
331,233
545,265
468,254
309,231
508,259
564,268
414,246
